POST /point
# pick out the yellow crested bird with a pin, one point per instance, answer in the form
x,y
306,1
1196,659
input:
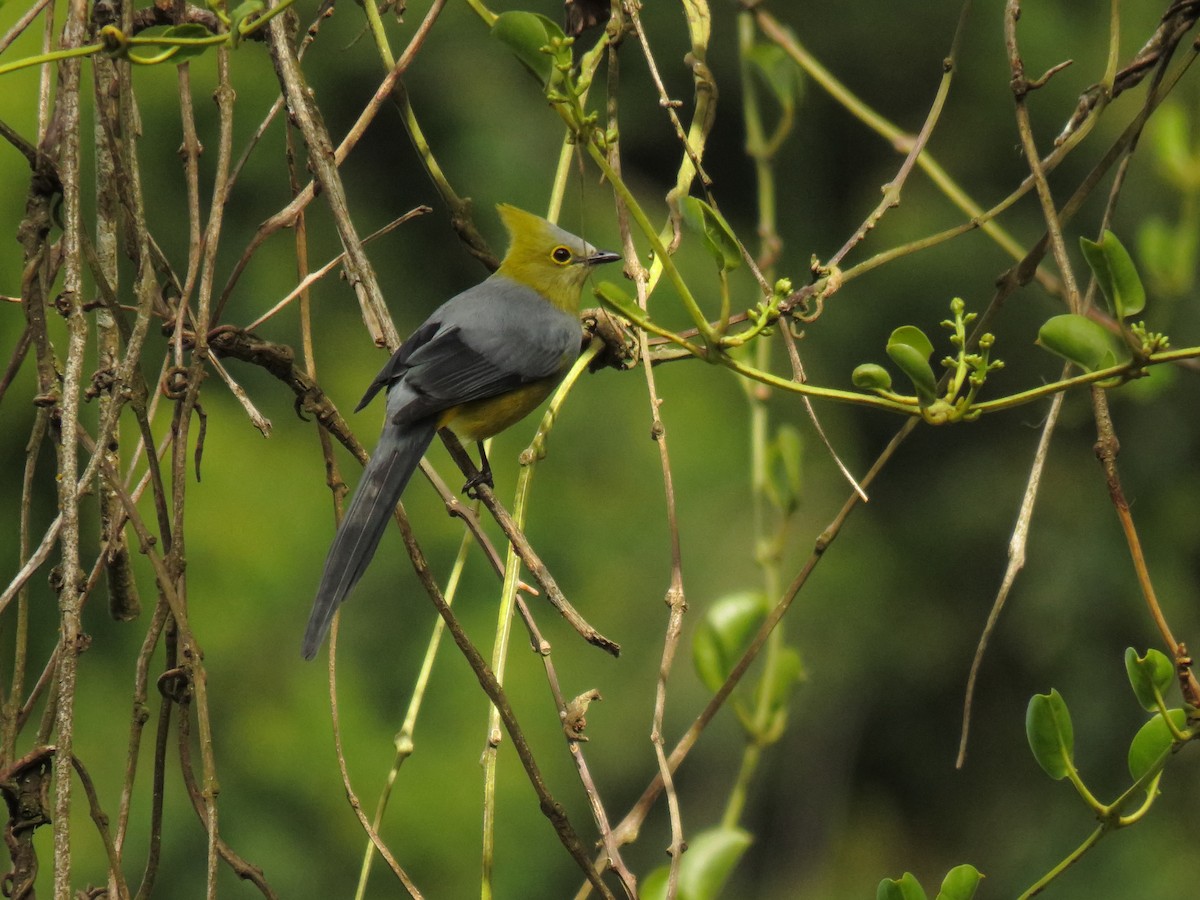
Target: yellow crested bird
x,y
485,359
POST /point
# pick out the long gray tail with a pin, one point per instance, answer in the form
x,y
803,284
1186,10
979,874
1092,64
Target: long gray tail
x,y
383,481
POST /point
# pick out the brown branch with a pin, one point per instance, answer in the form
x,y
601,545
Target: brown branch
x,y
549,806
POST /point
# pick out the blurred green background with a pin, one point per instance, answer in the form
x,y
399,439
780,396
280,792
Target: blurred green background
x,y
862,785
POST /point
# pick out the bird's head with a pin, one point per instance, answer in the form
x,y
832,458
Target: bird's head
x,y
548,259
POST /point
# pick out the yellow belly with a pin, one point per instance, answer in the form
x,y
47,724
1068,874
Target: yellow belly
x,y
481,419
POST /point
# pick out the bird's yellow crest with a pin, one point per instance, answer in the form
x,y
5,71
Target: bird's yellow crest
x,y
553,262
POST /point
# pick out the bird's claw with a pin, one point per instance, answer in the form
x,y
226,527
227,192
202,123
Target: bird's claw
x,y
472,484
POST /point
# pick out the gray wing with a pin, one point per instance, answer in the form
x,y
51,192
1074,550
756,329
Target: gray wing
x,y
488,340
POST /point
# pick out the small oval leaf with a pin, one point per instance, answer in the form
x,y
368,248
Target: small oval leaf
x,y
718,236
906,887
777,71
871,377
525,34
1148,674
960,883
654,885
145,52
1152,742
613,295
1079,340
914,337
1116,274
710,859
1051,736
191,31
915,365
723,634
785,472
787,672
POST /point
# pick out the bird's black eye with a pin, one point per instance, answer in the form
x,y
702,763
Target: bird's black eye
x,y
561,255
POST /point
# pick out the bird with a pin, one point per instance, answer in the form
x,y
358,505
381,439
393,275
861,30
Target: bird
x,y
482,361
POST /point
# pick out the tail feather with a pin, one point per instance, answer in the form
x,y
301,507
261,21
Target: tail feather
x,y
383,481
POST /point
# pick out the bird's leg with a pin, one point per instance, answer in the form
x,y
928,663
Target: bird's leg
x,y
483,476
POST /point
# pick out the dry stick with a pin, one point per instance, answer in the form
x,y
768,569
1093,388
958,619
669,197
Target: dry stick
x,y
334,479
162,735
460,209
627,830
37,277
122,591
1021,87
308,279
550,807
1019,276
1107,448
676,599
287,216
33,562
572,723
525,550
309,120
789,341
200,803
117,883
351,796
1016,562
139,715
71,628
310,35
11,720
192,656
190,150
224,97
405,738
22,23
891,190
574,737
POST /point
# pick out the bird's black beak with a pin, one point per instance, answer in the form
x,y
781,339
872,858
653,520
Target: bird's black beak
x,y
600,257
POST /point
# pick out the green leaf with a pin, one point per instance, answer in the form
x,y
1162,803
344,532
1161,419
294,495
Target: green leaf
x,y
1152,742
777,71
914,337
1168,254
1051,737
718,236
1149,674
960,883
1079,340
241,13
787,672
191,32
147,53
1116,274
710,859
871,377
525,34
785,474
910,350
906,887
654,885
614,296
1172,146
723,634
